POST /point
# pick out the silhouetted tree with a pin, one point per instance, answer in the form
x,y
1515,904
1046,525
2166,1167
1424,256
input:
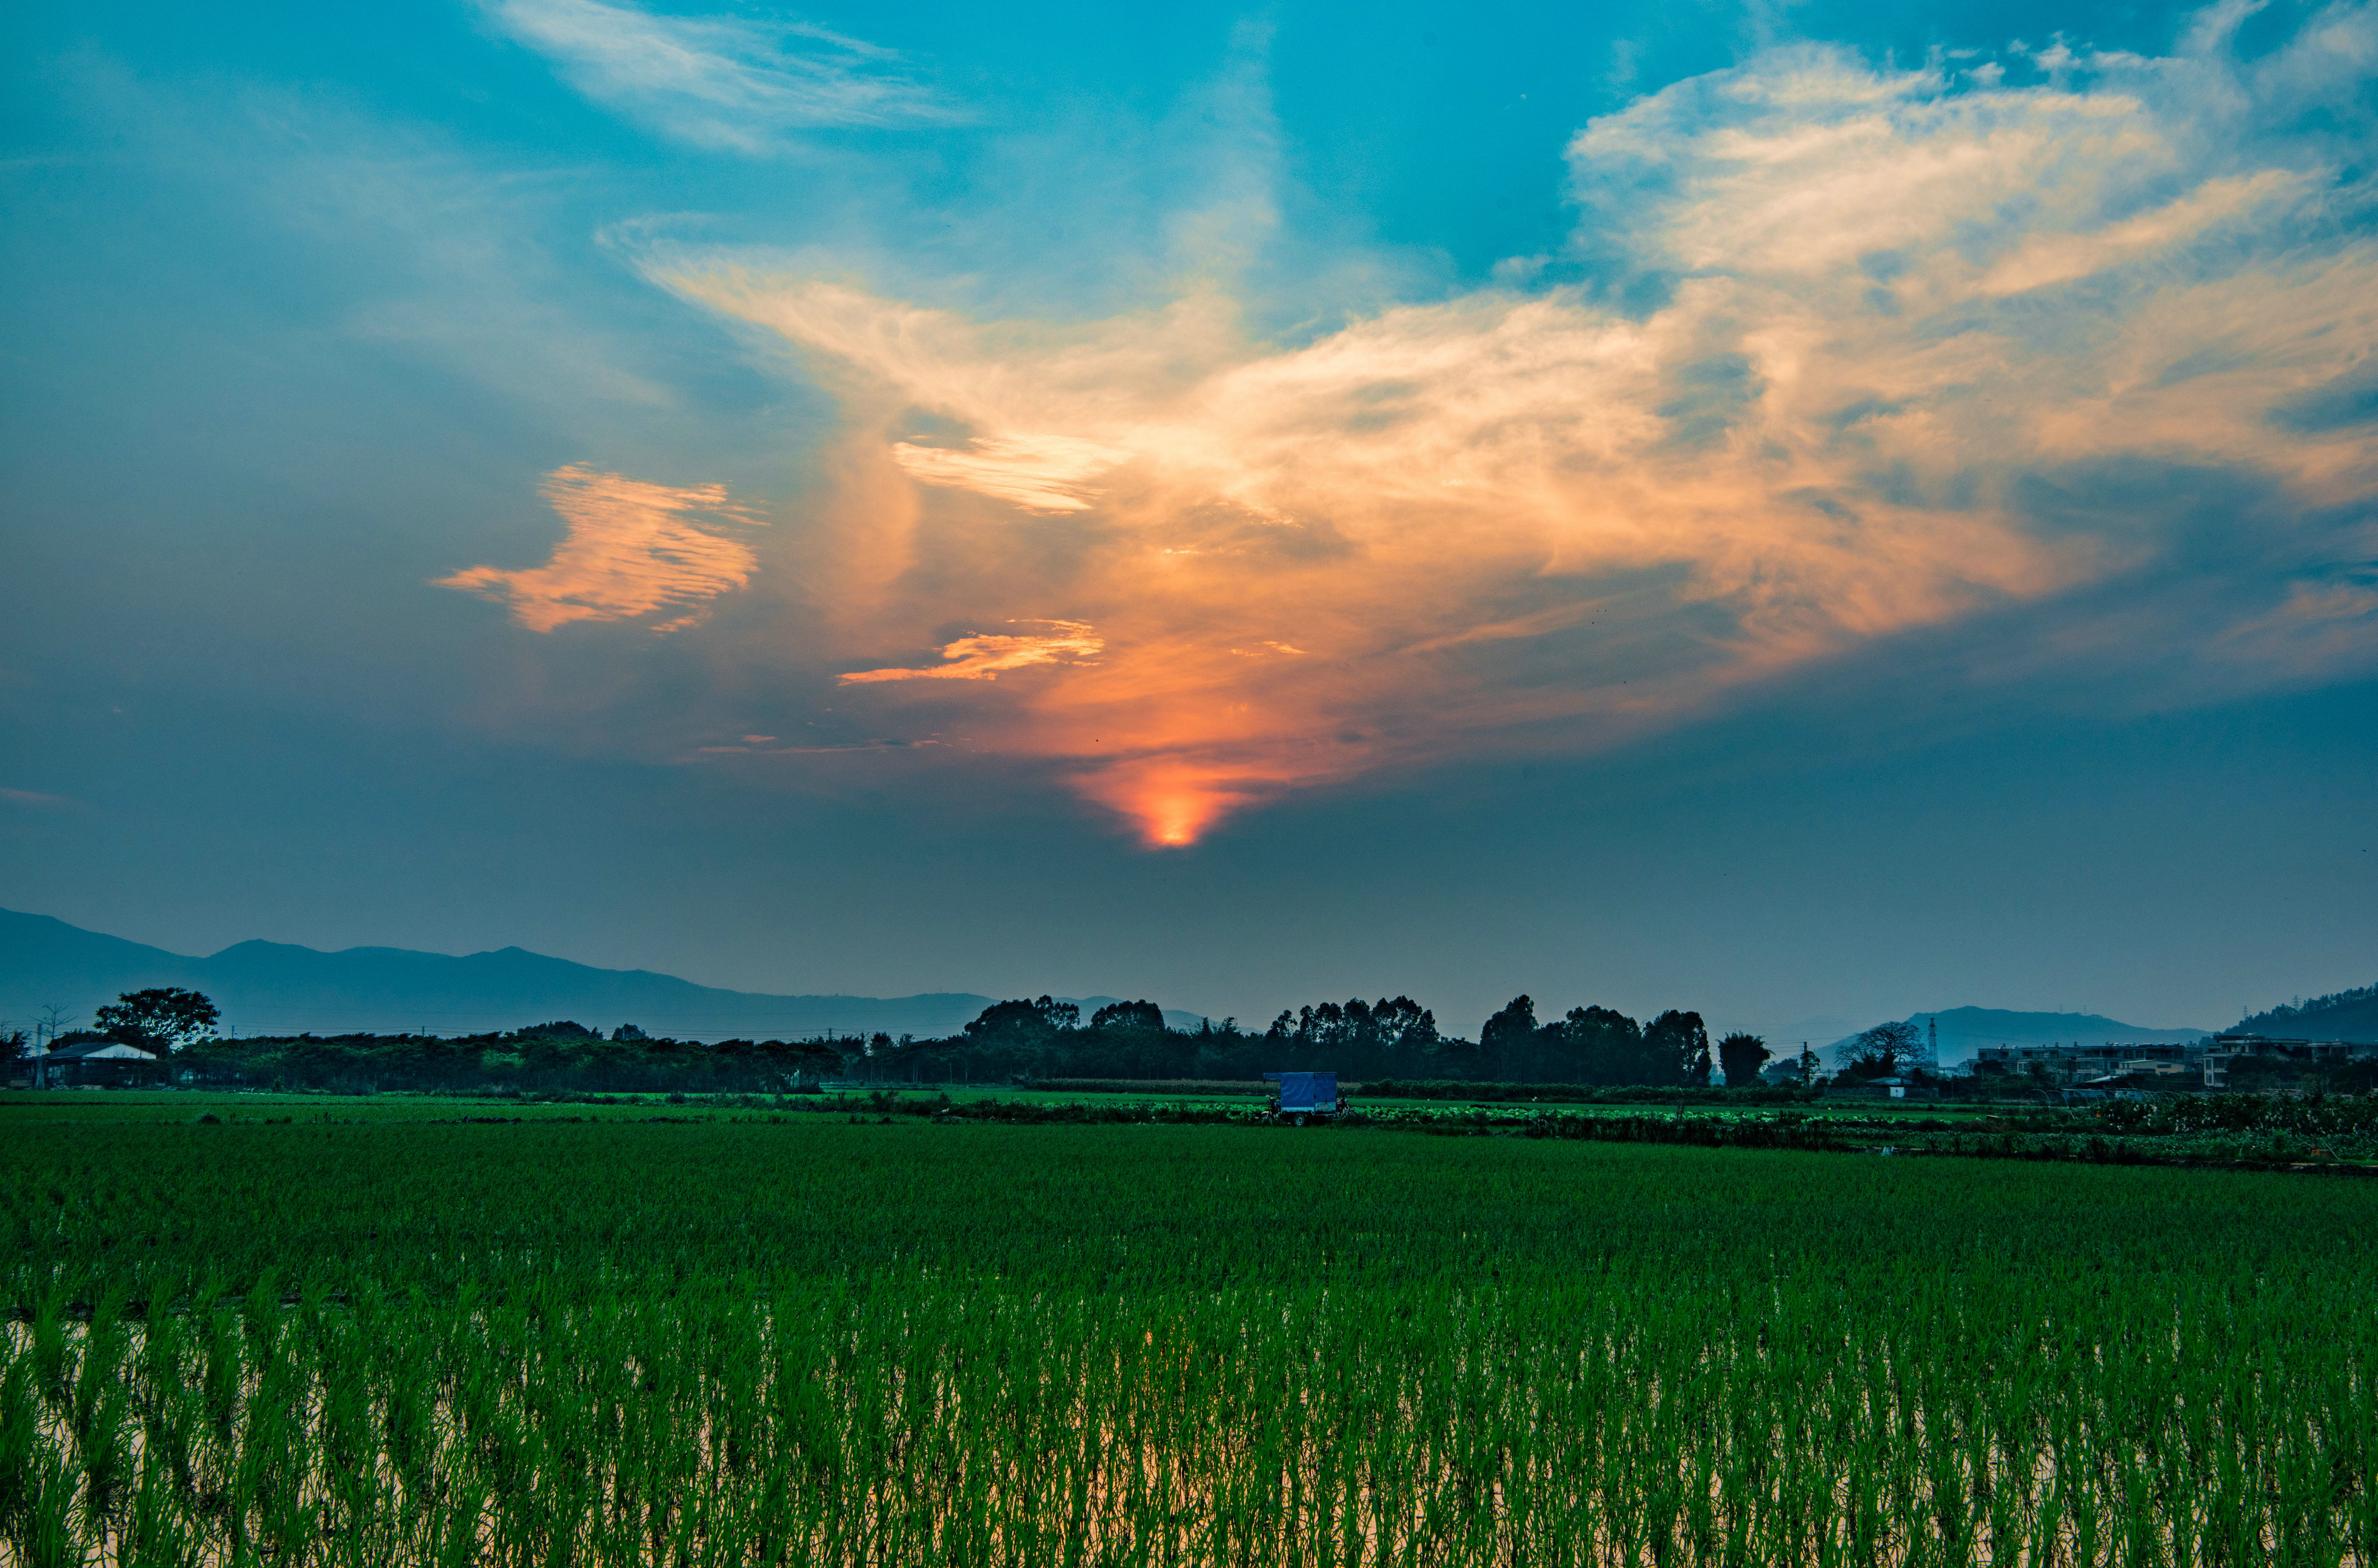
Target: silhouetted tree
x,y
1507,1042
560,1029
1675,1049
162,1020
1228,1052
1128,1015
1355,1038
1023,1022
1599,1044
1020,1037
1882,1050
1407,1040
1321,1028
1742,1056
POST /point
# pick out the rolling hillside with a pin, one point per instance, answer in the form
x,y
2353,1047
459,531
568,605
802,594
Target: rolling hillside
x,y
2346,1015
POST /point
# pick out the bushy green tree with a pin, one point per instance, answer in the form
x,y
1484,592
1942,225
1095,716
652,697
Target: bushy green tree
x,y
1599,1044
164,1019
1393,1038
1742,1056
1508,1042
1677,1049
1128,1015
1023,1022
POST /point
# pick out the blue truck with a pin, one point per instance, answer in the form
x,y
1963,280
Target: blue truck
x,y
1303,1094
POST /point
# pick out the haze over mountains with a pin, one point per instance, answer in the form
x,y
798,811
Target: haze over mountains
x,y
273,987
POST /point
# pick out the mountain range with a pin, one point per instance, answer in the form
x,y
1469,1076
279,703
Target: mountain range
x,y
276,988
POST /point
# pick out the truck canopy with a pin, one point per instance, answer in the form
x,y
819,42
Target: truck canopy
x,y
1305,1091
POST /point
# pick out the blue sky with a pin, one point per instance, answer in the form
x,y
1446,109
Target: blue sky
x,y
1803,512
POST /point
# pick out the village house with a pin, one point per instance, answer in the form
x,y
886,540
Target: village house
x,y
84,1061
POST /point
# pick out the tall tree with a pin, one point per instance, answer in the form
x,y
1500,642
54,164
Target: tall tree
x,y
1882,1050
1507,1040
1128,1015
1599,1044
1742,1056
162,1020
1023,1023
1408,1038
1676,1046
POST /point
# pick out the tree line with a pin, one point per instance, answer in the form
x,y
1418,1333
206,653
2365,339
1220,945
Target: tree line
x,y
1393,1037
1017,1041
561,1055
176,1027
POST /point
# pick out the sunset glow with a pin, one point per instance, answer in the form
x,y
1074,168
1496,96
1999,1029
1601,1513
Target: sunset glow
x,y
1509,520
1204,567
1791,511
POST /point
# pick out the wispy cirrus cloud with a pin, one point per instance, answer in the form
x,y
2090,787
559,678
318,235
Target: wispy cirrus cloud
x,y
634,551
2321,626
1896,308
35,798
1040,473
723,82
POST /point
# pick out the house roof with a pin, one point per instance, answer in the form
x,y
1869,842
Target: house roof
x,y
98,1051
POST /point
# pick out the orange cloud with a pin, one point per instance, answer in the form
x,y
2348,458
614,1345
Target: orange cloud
x,y
1513,521
982,658
634,549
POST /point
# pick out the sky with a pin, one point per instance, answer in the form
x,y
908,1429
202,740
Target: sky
x,y
1803,512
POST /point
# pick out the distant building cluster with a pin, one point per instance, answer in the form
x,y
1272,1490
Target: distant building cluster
x,y
2204,1063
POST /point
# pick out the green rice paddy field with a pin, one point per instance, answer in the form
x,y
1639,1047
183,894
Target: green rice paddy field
x,y
383,1338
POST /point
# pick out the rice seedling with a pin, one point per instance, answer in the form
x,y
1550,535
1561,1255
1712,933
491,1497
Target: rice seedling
x,y
825,1343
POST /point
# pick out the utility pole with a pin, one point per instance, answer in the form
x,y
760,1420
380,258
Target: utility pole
x,y
47,1030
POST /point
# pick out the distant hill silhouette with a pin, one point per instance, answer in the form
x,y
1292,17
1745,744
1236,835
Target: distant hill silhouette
x,y
272,987
2344,1015
1965,1030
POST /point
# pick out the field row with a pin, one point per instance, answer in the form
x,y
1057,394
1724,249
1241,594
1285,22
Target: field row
x,y
1753,1420
909,1342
